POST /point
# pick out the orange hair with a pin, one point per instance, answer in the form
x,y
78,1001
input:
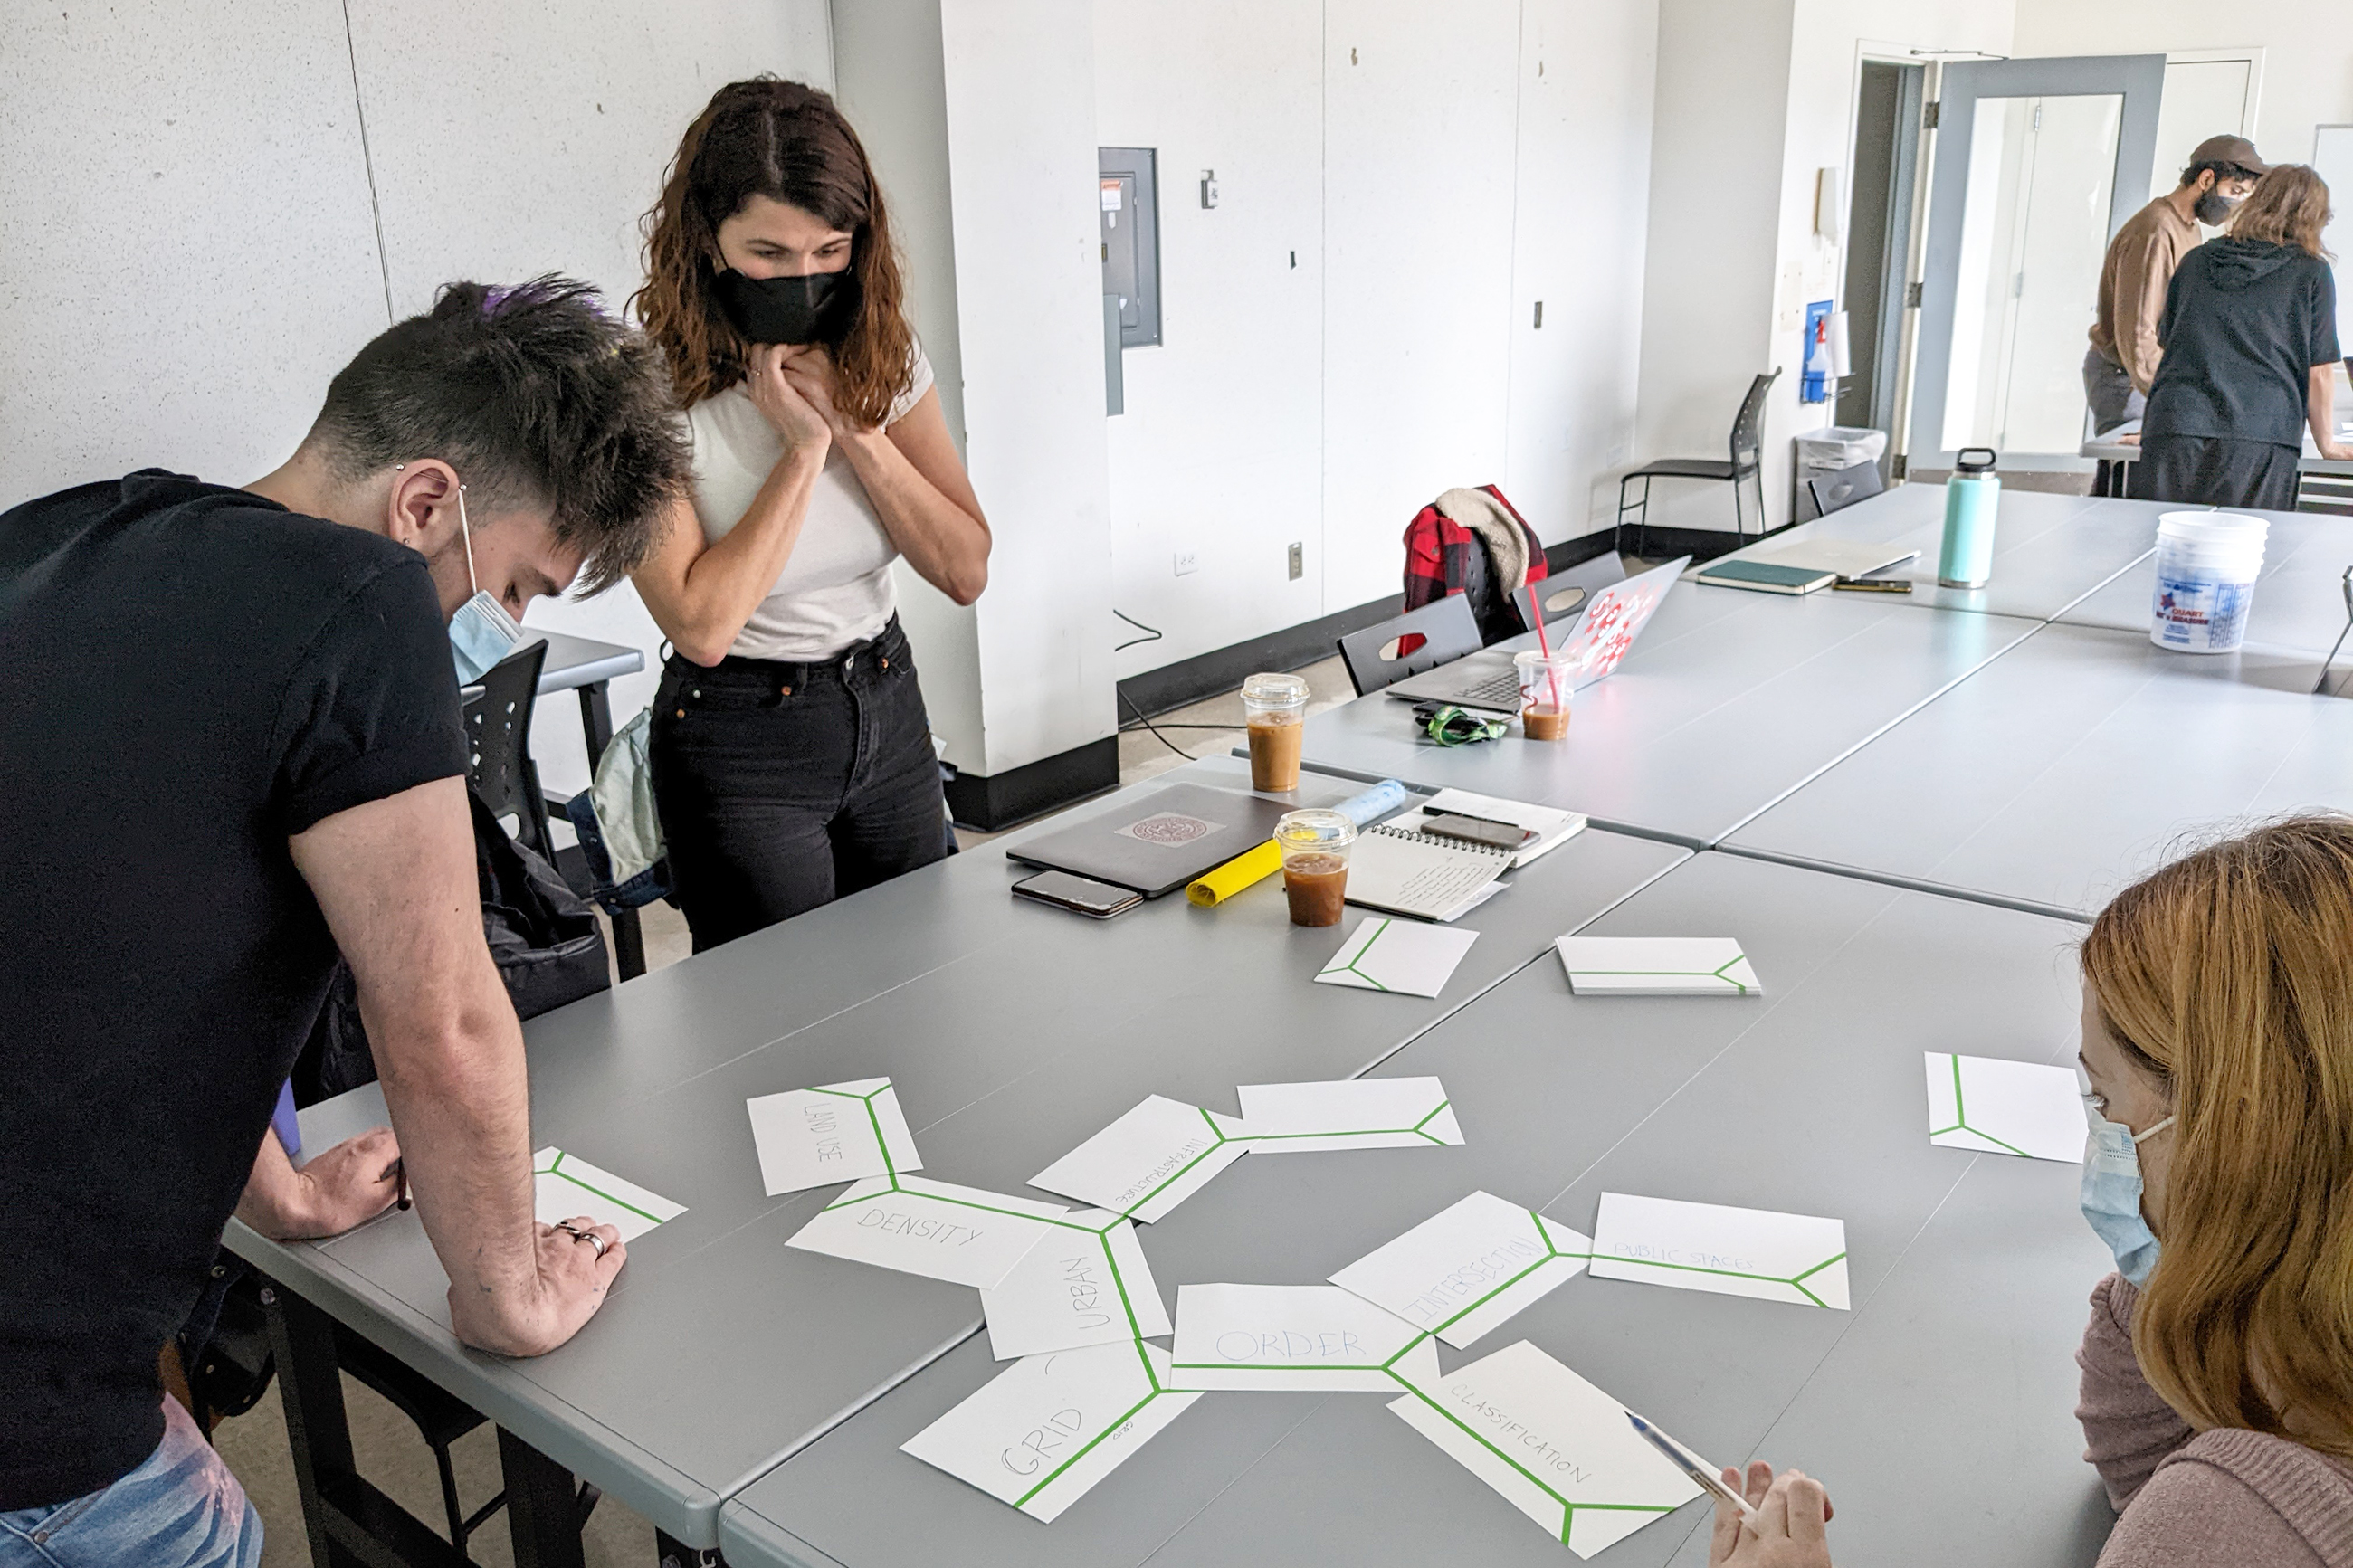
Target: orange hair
x,y
2228,974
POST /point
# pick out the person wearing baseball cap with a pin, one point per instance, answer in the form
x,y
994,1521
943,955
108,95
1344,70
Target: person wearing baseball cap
x,y
2121,364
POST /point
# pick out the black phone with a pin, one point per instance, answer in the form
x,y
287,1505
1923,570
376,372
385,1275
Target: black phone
x,y
1098,900
1475,830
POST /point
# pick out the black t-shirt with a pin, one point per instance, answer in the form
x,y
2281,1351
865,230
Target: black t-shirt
x,y
189,675
2244,323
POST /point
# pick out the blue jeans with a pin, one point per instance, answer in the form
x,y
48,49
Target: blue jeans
x,y
181,1508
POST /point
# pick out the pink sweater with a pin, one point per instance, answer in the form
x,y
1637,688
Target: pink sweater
x,y
2214,1499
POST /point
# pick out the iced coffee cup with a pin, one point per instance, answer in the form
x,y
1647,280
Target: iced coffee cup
x,y
1546,681
1315,847
1277,709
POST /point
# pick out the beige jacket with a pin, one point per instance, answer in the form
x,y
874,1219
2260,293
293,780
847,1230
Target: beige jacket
x,y
2132,281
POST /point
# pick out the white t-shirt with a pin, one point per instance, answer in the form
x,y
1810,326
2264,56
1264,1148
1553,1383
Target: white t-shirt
x,y
835,591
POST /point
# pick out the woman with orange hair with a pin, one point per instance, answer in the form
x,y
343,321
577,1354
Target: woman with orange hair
x,y
2217,1367
791,755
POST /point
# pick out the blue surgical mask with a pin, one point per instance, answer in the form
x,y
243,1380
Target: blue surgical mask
x,y
2112,1189
482,633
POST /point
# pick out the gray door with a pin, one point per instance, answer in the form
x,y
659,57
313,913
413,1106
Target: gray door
x,y
2037,164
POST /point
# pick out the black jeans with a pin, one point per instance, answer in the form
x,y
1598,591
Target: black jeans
x,y
782,787
2209,470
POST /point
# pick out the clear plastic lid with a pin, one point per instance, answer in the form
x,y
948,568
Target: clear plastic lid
x,y
1275,691
1303,832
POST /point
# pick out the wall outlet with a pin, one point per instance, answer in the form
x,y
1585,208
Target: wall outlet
x,y
1187,563
1298,561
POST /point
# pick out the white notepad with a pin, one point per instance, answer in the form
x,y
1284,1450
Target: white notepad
x,y
1402,872
1657,966
1552,826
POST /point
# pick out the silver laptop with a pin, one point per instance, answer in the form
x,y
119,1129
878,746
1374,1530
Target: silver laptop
x,y
1613,618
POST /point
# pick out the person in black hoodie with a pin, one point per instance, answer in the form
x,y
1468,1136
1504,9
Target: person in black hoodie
x,y
2250,341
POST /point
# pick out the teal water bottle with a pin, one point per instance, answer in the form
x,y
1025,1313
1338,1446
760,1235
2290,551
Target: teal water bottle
x,y
1970,496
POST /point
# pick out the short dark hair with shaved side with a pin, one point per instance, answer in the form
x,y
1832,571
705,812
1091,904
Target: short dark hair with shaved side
x,y
538,398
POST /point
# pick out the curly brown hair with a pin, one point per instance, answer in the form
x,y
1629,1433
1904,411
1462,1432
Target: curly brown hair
x,y
786,142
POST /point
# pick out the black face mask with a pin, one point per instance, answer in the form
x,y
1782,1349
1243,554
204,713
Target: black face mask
x,y
814,308
2214,209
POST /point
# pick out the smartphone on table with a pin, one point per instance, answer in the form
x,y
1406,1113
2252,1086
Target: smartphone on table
x,y
1084,895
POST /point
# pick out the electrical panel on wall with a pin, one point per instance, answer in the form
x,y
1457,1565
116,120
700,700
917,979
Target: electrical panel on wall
x,y
1130,195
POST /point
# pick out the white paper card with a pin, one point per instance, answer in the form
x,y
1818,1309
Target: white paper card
x,y
1352,1113
835,1132
1799,1259
1998,1107
1046,1428
1283,1337
565,1186
1144,1164
1085,1284
937,1230
1557,1449
1385,954
1466,1269
1657,966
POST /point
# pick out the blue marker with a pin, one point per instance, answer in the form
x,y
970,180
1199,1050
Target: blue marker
x,y
1713,1485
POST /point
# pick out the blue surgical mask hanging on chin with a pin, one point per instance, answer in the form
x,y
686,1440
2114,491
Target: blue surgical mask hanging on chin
x,y
2112,1190
482,633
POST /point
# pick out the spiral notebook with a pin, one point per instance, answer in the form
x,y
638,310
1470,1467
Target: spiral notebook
x,y
1402,872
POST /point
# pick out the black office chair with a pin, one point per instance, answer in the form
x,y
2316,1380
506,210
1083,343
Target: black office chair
x,y
1740,473
1845,488
1436,634
498,745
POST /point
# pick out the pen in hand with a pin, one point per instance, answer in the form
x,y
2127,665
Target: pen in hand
x,y
1700,1474
399,1172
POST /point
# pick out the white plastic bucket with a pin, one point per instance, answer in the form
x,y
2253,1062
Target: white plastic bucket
x,y
2206,563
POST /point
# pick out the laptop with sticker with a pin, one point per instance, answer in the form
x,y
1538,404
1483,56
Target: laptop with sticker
x,y
1158,842
1613,618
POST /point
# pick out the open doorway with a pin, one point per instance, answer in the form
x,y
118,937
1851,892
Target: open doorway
x,y
1879,233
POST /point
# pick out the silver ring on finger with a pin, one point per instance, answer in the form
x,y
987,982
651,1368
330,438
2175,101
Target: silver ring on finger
x,y
598,1242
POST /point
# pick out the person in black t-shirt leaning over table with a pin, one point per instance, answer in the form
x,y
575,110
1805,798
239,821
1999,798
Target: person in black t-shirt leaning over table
x,y
229,745
2250,341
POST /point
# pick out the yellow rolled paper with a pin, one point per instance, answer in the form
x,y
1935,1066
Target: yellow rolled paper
x,y
1215,886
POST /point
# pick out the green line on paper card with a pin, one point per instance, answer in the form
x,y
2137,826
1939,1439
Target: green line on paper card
x,y
1551,1253
1179,1173
1429,1119
1961,1121
1568,1508
889,1167
1350,967
1735,1274
1074,1458
557,1170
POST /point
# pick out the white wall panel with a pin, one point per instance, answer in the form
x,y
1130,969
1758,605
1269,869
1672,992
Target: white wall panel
x,y
1586,71
1420,133
186,254
530,137
1220,450
1019,82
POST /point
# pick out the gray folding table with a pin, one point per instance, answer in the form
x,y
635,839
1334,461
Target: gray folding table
x,y
2050,551
2299,606
2078,761
721,1352
1809,1099
1729,701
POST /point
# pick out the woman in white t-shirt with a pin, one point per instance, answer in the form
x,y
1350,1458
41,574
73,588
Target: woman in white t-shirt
x,y
792,760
